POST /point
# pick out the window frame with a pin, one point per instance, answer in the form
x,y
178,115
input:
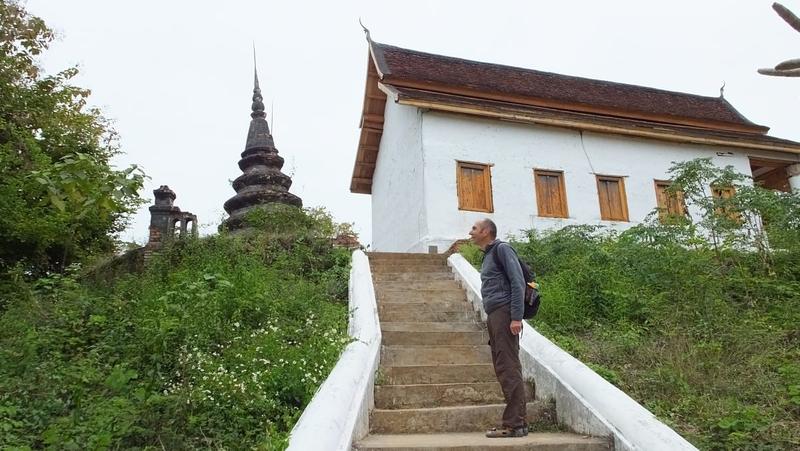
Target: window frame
x,y
623,197
539,194
723,189
731,190
487,167
663,212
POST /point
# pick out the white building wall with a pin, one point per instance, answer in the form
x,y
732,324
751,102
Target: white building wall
x,y
515,150
398,213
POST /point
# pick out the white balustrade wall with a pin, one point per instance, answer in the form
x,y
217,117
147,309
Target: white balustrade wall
x,y
338,414
585,402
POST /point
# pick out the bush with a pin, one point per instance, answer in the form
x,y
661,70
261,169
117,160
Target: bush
x,y
219,343
696,319
60,198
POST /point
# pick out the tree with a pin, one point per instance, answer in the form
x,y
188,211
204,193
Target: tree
x,y
788,68
732,212
60,198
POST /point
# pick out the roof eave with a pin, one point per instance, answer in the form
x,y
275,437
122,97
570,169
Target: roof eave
x,y
636,128
371,124
575,107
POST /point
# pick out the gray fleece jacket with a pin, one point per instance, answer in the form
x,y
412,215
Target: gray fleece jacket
x,y
499,289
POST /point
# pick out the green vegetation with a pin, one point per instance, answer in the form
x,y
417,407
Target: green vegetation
x,y
220,343
60,200
696,319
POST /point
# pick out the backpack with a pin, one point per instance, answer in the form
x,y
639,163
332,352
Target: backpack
x,y
532,298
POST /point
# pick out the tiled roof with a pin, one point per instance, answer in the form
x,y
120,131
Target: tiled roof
x,y
403,67
515,94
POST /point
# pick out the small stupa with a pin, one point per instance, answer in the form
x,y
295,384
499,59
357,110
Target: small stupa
x,y
262,181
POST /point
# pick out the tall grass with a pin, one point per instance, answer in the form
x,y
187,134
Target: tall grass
x,y
219,343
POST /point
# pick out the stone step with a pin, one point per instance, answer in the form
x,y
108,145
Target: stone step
x,y
421,309
477,441
449,419
418,286
404,256
434,355
408,265
425,326
380,271
406,338
411,276
450,303
437,374
438,395
394,315
452,294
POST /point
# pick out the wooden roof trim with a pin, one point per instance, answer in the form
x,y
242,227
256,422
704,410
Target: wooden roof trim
x,y
543,119
371,124
378,59
546,103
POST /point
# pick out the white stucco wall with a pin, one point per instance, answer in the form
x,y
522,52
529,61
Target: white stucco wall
x,y
398,210
515,150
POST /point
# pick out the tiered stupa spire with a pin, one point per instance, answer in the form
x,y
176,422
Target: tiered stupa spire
x,y
262,181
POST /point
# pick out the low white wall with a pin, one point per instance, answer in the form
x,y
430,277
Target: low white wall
x,y
585,402
338,414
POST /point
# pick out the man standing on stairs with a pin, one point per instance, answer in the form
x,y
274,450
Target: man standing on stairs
x,y
503,293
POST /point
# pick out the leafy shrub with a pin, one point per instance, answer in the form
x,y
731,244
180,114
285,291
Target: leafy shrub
x,y
219,343
60,198
696,318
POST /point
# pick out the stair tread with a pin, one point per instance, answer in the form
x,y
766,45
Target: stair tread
x,y
431,326
445,384
455,408
477,440
444,365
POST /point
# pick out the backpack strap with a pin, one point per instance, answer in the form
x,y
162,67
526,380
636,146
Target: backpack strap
x,y
498,261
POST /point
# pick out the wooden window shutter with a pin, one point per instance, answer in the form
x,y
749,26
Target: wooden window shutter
x,y
725,192
613,202
551,193
669,204
722,192
474,186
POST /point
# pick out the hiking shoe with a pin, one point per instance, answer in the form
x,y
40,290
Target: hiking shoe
x,y
507,432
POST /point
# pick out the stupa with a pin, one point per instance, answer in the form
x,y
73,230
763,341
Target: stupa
x,y
262,181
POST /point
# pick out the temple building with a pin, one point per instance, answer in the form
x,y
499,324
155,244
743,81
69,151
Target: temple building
x,y
445,141
262,181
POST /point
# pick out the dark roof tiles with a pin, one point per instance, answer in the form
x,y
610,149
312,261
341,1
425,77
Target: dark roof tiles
x,y
402,66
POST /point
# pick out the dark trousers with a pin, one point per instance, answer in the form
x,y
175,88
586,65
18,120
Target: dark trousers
x,y
505,357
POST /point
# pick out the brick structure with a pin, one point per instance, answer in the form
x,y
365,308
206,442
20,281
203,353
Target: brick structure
x,y
347,240
167,221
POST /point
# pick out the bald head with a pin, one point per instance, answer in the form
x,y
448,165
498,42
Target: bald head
x,y
491,227
483,232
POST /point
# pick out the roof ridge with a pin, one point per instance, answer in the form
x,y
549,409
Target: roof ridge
x,y
721,102
575,77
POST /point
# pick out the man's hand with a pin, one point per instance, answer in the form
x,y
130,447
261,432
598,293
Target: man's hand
x,y
516,327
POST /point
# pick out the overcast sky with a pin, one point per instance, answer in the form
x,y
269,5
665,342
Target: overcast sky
x,y
176,76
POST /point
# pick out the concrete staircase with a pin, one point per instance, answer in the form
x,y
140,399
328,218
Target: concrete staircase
x,y
436,389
